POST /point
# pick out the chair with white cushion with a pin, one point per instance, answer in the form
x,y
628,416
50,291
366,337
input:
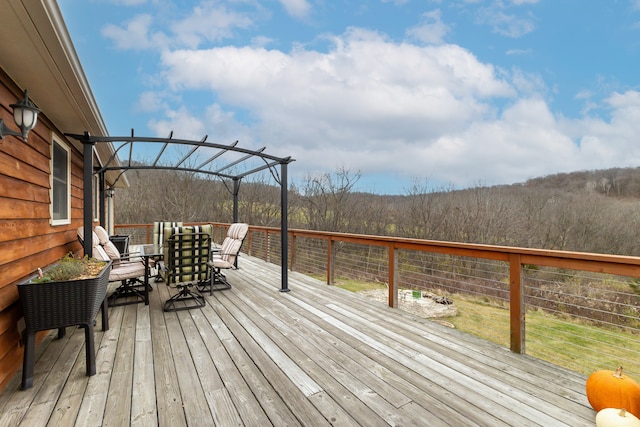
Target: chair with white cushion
x,y
131,270
225,257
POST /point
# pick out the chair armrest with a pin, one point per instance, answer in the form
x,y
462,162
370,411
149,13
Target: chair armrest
x,y
132,257
224,253
129,254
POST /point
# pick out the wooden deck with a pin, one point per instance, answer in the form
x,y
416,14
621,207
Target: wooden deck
x,y
314,356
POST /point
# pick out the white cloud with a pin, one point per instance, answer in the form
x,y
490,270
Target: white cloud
x,y
208,22
348,103
135,35
524,52
513,25
296,8
261,41
432,30
190,126
151,102
397,108
523,142
420,86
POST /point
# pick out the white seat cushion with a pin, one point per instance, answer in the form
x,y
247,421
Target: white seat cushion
x,y
126,270
221,263
107,244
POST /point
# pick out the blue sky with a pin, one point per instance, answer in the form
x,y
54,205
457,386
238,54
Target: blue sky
x,y
448,93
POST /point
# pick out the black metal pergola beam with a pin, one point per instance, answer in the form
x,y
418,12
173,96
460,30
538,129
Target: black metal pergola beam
x,y
114,164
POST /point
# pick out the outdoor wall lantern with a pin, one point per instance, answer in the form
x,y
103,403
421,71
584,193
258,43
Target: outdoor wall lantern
x,y
109,192
25,115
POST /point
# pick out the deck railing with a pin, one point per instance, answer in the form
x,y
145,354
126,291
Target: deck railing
x,y
583,306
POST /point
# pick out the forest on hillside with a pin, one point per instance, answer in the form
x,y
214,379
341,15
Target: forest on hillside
x,y
588,211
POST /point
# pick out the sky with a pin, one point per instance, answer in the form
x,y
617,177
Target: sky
x,y
448,94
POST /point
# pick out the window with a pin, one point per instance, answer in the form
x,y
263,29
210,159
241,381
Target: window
x,y
60,184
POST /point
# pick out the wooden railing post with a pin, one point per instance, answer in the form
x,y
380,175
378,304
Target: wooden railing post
x,y
267,256
393,275
516,302
292,262
331,260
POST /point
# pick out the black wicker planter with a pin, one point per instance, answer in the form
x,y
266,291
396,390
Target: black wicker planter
x,y
56,305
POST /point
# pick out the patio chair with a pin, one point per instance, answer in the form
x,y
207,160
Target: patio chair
x,y
159,232
160,229
126,268
187,255
181,229
225,257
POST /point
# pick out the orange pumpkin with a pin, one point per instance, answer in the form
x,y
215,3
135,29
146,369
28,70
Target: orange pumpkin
x,y
611,389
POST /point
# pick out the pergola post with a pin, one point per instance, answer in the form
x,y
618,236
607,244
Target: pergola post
x,y
236,190
101,197
87,177
284,229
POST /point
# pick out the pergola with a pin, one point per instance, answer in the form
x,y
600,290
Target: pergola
x,y
224,161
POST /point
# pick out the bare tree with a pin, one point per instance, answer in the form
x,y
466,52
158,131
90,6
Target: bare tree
x,y
326,203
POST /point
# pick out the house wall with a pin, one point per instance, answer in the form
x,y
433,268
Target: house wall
x,y
27,239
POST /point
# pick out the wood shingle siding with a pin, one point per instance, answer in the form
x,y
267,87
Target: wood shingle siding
x,y
27,239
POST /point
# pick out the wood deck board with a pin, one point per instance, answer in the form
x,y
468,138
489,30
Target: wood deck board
x,y
435,346
243,373
119,365
358,377
317,355
388,356
301,408
388,381
143,408
517,374
341,385
232,385
168,399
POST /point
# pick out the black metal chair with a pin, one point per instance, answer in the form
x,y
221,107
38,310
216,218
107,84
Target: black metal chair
x,y
160,228
187,255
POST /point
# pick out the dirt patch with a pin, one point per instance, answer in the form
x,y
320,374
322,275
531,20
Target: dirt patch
x,y
423,304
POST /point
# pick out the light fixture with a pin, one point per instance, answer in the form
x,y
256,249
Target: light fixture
x,y
25,116
109,192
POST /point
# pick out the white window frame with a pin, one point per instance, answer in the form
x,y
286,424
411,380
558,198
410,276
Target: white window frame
x,y
65,147
96,198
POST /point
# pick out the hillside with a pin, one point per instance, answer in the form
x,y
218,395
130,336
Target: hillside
x,y
616,182
588,211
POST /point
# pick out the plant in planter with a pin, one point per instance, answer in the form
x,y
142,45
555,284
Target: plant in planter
x,y
69,293
70,268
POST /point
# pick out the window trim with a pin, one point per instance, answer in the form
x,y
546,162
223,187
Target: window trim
x,y
65,147
96,198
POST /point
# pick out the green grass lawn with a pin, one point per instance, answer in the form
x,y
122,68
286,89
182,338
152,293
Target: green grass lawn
x,y
566,342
